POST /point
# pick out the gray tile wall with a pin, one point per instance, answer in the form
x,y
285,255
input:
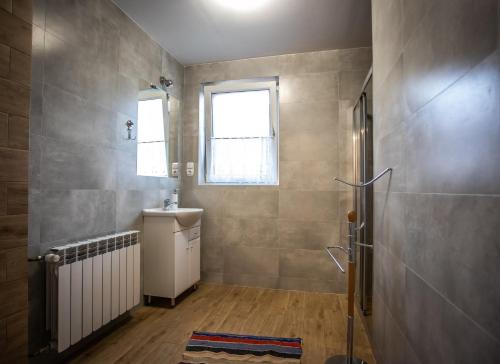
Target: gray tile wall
x,y
274,236
437,123
89,62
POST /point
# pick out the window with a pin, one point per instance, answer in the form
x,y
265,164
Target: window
x,y
241,129
152,134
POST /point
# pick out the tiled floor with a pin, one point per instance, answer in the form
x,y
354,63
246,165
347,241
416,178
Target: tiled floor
x,y
157,334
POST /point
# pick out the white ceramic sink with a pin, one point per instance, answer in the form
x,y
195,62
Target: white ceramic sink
x,y
185,216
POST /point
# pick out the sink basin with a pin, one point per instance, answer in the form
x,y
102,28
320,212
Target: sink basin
x,y
185,216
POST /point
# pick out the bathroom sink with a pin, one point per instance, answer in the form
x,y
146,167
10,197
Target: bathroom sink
x,y
185,216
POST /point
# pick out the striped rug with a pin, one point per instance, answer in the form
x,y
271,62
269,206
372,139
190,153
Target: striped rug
x,y
208,348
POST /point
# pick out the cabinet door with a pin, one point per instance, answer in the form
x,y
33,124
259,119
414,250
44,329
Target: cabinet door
x,y
194,261
181,261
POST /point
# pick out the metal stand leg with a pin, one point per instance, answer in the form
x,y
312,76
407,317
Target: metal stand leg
x,y
351,279
149,300
172,302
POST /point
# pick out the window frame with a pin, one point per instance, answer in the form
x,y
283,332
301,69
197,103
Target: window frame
x,y
155,94
206,121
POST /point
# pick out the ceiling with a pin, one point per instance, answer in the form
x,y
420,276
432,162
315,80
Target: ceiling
x,y
200,31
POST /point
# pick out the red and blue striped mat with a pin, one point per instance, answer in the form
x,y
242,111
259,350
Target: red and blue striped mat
x,y
208,347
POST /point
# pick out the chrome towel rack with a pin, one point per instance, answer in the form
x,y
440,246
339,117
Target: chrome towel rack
x,y
378,176
348,358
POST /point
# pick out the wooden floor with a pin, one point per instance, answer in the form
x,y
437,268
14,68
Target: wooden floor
x,y
157,334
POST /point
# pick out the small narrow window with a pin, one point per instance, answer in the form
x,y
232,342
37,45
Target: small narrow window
x,y
152,134
241,139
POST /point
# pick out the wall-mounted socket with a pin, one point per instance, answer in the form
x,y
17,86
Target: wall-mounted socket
x,y
190,169
175,169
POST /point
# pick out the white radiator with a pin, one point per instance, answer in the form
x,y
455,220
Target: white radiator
x,y
90,283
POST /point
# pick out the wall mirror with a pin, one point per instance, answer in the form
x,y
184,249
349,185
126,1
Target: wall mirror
x,y
158,120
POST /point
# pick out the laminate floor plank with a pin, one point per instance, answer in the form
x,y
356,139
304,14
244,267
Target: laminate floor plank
x,y
158,333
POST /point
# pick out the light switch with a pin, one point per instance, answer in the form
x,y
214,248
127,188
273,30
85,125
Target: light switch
x,y
190,169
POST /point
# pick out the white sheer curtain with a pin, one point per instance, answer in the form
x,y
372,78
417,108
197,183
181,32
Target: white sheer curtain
x,y
243,147
243,161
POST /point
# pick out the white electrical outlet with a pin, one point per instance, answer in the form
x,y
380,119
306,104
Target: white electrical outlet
x,y
190,169
175,169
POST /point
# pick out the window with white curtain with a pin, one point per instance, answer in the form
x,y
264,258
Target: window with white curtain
x,y
240,140
152,132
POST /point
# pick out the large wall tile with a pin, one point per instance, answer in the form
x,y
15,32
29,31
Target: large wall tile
x,y
436,112
325,61
318,116
309,175
446,334
72,21
439,51
250,202
308,206
387,37
398,349
76,214
139,56
310,264
251,280
249,260
66,166
302,212
454,139
212,254
128,216
310,235
313,87
472,268
389,281
253,67
255,232
391,105
391,214
351,84
89,62
307,146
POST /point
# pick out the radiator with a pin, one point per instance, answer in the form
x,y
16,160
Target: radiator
x,y
89,284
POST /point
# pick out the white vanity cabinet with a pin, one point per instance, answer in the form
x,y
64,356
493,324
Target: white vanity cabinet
x,y
171,256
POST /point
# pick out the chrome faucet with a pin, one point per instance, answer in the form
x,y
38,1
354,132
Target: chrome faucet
x,y
167,205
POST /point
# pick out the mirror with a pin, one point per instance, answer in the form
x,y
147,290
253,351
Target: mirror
x,y
158,121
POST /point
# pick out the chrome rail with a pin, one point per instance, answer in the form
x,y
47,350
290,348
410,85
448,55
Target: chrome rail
x,y
387,170
333,256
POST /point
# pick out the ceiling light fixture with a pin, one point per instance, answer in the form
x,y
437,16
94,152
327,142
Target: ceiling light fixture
x,y
242,5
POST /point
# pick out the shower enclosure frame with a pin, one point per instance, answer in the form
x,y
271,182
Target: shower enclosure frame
x,y
363,197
